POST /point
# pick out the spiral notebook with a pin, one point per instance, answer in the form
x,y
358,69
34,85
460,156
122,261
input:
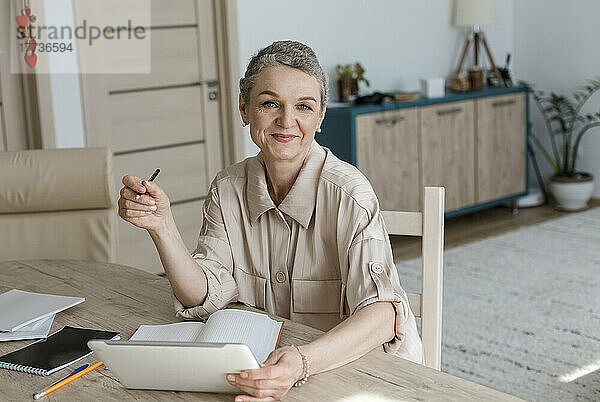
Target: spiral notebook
x,y
59,350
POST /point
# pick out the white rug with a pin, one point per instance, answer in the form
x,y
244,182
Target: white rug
x,y
521,311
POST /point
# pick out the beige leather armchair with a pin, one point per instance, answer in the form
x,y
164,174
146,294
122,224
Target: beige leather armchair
x,y
57,204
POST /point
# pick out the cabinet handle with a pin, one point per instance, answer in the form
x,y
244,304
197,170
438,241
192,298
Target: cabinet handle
x,y
503,103
449,111
390,121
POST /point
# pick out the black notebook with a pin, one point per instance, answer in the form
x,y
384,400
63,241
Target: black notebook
x,y
59,350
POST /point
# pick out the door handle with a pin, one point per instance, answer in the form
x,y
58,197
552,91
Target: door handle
x,y
389,121
209,83
449,111
504,103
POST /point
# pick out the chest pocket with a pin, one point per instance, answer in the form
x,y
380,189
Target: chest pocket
x,y
251,288
317,296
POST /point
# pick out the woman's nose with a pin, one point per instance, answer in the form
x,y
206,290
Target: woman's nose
x,y
286,118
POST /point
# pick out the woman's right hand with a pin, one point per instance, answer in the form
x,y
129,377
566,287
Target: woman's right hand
x,y
151,211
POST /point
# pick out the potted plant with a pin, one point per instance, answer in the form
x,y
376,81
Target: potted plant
x,y
348,77
566,125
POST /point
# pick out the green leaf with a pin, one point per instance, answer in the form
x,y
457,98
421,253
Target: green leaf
x,y
552,162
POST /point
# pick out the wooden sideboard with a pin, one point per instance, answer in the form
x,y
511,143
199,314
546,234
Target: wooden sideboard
x,y
474,144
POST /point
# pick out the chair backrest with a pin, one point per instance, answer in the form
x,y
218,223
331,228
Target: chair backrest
x,y
59,204
428,304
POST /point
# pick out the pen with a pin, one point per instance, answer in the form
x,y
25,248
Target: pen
x,y
54,383
156,172
71,377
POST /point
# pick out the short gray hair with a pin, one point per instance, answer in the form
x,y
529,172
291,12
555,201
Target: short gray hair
x,y
289,53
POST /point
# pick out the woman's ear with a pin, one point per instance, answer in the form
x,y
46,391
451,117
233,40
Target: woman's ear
x,y
322,118
242,108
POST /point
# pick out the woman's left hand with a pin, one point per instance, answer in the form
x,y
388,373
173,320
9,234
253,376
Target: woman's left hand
x,y
273,380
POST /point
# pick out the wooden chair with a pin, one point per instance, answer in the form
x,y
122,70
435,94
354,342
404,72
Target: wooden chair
x,y
428,304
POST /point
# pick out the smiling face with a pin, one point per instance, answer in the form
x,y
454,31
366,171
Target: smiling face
x,y
284,111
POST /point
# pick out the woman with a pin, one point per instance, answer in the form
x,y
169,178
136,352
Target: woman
x,y
293,231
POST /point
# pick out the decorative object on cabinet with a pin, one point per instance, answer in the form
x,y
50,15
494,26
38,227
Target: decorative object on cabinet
x,y
377,98
476,78
406,96
460,83
472,14
492,80
564,119
432,87
472,144
348,77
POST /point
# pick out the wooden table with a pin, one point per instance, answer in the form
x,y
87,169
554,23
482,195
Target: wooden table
x,y
121,298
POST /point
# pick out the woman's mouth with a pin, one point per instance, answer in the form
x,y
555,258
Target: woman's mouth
x,y
283,138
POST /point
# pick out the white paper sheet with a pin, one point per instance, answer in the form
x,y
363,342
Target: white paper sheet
x,y
19,308
35,330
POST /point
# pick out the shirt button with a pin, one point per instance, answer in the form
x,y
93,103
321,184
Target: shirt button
x,y
377,268
280,277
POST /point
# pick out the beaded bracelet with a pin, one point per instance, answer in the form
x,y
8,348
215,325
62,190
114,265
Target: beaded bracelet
x,y
305,368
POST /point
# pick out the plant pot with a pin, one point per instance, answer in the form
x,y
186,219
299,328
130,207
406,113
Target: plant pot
x,y
572,193
348,88
345,87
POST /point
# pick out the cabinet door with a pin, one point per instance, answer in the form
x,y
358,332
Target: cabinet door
x,y
501,147
388,154
448,151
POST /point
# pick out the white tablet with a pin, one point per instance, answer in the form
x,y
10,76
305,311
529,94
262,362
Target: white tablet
x,y
174,366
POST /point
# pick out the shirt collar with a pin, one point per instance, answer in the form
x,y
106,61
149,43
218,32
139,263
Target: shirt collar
x,y
299,203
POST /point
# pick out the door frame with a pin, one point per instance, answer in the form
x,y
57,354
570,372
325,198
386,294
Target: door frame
x,y
14,88
229,69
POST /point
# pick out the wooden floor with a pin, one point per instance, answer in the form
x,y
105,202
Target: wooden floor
x,y
479,225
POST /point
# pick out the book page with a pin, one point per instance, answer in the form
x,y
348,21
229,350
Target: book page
x,y
178,332
256,330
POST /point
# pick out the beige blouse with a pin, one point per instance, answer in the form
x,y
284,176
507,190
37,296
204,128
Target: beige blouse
x,y
319,257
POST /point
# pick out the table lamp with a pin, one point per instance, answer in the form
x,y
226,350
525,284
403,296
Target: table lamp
x,y
472,14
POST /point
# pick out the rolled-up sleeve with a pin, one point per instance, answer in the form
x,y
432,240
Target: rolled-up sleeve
x,y
372,277
214,257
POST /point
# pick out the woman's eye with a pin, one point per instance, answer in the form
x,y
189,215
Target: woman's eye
x,y
304,107
269,104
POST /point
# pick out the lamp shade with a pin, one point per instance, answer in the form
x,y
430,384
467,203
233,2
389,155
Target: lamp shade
x,y
474,12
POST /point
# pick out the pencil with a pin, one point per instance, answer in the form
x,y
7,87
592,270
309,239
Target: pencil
x,y
66,381
67,376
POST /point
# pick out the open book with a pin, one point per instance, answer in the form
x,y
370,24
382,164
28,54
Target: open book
x,y
256,330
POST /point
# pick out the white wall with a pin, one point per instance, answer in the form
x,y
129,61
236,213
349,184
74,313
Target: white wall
x,y
558,48
396,41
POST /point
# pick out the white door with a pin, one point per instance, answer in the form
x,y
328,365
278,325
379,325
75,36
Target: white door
x,y
169,118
